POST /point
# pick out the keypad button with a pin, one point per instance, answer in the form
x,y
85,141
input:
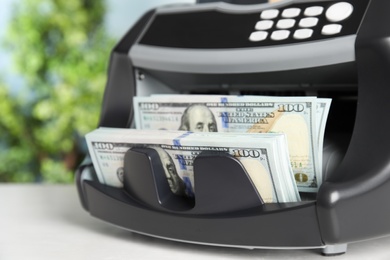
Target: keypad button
x,y
258,36
264,25
280,35
331,29
339,12
291,12
285,23
308,22
303,34
269,14
313,11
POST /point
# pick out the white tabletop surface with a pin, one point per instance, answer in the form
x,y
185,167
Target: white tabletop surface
x,y
47,222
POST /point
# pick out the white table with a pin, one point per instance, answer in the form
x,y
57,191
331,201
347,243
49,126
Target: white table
x,y
47,222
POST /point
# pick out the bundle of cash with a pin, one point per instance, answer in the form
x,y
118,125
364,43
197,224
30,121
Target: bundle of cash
x,y
302,119
264,156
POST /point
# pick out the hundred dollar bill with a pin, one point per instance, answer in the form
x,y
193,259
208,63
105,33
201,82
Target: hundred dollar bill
x,y
264,157
294,116
322,110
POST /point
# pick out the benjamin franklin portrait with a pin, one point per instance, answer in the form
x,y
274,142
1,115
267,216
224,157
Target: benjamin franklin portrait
x,y
176,184
198,118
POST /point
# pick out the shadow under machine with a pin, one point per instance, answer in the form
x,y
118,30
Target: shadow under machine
x,y
335,49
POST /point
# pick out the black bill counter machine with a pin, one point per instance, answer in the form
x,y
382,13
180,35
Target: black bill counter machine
x,y
326,48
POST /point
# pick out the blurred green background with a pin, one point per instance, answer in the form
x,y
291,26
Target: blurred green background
x,y
53,61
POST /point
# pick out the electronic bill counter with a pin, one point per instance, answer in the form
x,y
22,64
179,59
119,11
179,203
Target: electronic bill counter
x,y
324,48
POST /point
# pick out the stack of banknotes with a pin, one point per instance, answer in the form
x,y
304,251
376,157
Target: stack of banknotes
x,y
301,119
278,140
264,157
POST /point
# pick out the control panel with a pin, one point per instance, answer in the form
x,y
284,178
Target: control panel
x,y
300,24
262,25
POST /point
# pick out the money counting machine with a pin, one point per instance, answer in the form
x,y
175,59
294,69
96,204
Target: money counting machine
x,y
327,48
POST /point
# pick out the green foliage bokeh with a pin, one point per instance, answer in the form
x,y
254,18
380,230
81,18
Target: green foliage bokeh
x,y
61,50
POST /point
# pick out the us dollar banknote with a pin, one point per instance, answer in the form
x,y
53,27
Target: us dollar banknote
x,y
302,119
264,157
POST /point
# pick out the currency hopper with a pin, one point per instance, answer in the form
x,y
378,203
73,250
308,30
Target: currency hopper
x,y
323,48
